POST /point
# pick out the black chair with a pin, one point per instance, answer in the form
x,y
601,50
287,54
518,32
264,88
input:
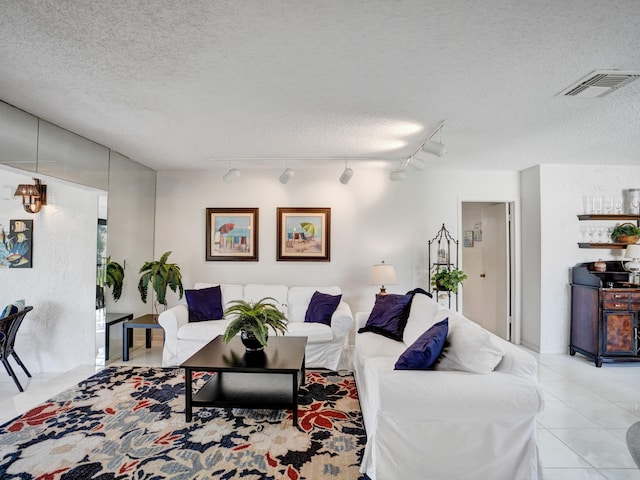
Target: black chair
x,y
8,329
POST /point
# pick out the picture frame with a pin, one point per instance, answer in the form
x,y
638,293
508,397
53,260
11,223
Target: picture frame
x,y
232,234
477,232
304,234
16,245
468,238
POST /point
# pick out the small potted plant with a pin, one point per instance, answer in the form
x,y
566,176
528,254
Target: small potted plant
x,y
626,233
252,320
160,275
114,278
448,280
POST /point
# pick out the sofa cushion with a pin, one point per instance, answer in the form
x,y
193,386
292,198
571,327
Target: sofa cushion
x,y
321,308
203,331
469,348
204,304
12,308
315,332
389,316
423,353
230,291
298,300
421,317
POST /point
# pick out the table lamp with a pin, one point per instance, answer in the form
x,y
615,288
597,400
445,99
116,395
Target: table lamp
x,y
633,252
383,274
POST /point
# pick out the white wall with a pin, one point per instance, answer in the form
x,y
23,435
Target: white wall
x,y
561,188
59,333
373,219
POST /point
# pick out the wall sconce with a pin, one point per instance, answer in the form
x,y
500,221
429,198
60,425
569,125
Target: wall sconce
x,y
383,274
33,196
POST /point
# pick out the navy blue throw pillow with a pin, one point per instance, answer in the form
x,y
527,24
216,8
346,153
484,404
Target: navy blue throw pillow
x,y
389,316
424,352
321,308
204,304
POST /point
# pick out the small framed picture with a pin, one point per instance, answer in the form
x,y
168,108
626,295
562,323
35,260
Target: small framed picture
x,y
304,234
232,234
468,238
477,232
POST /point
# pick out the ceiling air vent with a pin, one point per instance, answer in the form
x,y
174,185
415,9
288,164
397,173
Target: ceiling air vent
x,y
599,83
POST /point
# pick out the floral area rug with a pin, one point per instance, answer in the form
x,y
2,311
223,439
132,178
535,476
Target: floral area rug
x,y
129,423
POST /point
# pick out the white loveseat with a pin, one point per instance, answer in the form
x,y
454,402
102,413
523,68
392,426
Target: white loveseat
x,y
445,424
326,345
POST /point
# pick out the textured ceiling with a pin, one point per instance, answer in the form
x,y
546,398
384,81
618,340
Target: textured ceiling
x,y
175,84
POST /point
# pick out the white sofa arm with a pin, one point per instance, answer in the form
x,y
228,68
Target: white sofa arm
x,y
361,319
341,321
171,320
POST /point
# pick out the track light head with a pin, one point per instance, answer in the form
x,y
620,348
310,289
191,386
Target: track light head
x,y
231,175
436,148
398,175
346,175
286,175
416,163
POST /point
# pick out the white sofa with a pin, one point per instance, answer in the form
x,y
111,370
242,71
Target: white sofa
x,y
326,345
444,424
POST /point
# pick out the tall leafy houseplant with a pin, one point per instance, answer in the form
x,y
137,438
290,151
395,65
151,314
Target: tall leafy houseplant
x,y
253,319
114,278
160,275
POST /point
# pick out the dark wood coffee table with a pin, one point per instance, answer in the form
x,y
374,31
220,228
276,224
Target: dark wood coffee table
x,y
269,379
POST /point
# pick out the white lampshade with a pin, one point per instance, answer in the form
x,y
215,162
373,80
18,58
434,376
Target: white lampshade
x,y
416,163
633,251
383,274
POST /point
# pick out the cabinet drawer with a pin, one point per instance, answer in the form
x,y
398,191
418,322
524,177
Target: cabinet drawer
x,y
615,306
618,296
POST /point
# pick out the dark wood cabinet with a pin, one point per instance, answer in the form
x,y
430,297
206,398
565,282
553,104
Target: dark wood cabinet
x,y
604,314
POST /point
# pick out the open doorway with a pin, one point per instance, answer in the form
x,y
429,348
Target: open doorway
x,y
488,260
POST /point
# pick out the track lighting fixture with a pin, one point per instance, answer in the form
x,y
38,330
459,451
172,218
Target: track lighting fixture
x,y
346,174
231,175
286,175
436,148
416,163
398,175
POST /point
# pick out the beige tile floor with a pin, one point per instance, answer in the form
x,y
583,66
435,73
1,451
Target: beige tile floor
x,y
581,431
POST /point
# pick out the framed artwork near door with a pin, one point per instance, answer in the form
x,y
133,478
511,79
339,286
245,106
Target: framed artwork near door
x,y
304,234
232,234
468,238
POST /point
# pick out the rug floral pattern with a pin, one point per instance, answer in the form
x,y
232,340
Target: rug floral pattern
x,y
128,423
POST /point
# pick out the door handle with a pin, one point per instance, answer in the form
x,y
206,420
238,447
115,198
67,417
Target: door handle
x,y
482,275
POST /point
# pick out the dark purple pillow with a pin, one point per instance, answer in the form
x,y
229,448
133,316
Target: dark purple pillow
x,y
204,304
321,308
389,316
424,352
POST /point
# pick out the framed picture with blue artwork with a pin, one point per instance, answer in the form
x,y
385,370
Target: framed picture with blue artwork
x,y
304,234
16,245
232,234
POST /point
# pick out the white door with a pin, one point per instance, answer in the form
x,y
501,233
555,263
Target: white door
x,y
496,270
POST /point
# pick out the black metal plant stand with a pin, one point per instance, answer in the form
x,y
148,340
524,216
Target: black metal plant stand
x,y
443,244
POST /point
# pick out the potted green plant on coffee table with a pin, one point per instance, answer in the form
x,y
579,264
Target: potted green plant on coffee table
x,y
252,320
